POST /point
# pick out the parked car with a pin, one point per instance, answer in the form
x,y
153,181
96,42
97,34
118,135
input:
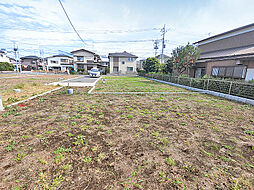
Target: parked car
x,y
95,72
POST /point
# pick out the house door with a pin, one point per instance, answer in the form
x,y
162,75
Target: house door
x,y
115,69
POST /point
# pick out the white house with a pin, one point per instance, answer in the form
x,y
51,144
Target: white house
x,y
122,63
3,57
59,62
85,60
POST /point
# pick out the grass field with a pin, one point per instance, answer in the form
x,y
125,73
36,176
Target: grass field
x,y
133,84
30,85
148,141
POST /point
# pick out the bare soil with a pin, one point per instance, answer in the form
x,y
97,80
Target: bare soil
x,y
30,85
89,141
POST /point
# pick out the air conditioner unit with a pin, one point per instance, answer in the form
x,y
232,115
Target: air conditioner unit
x,y
238,62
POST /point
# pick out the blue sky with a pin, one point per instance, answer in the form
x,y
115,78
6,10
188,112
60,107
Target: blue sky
x,y
108,25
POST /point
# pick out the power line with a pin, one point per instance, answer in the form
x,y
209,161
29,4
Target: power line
x,y
71,22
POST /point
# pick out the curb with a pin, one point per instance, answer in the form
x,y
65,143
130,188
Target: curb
x,y
33,97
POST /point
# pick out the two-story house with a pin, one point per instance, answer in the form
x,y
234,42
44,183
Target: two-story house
x,y
59,63
122,63
30,62
85,60
3,57
227,55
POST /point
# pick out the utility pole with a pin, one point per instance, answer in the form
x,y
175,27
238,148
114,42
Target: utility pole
x,y
15,49
163,30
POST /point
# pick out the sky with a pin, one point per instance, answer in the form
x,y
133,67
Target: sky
x,y
40,27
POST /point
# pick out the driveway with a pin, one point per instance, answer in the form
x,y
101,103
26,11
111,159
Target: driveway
x,y
80,81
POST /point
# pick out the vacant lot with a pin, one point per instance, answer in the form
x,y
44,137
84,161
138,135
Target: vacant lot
x,y
149,141
30,85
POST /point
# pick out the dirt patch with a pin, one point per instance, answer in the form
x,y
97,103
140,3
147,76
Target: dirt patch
x,y
87,141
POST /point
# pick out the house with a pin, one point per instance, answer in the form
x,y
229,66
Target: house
x,y
122,63
30,62
163,59
59,63
227,55
3,57
85,60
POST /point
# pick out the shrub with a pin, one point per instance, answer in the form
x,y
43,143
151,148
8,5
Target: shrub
x,y
4,66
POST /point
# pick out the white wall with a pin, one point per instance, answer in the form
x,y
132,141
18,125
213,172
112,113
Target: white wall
x,y
58,64
3,58
86,55
123,67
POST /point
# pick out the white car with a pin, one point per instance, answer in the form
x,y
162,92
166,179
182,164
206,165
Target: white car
x,y
95,72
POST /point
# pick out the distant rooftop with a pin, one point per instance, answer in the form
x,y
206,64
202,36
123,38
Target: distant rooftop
x,y
61,55
123,54
82,50
30,57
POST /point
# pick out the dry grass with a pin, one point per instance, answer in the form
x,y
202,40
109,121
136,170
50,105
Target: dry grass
x,y
30,85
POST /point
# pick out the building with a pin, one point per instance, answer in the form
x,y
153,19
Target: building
x,y
3,57
30,62
59,63
122,63
85,60
227,55
163,59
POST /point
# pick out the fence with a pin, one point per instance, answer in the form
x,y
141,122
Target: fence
x,y
227,87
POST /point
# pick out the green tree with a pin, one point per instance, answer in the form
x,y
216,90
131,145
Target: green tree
x,y
183,57
5,66
151,65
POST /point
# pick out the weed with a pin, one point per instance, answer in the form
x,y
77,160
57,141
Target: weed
x,y
207,153
10,146
87,160
169,161
156,134
20,156
80,140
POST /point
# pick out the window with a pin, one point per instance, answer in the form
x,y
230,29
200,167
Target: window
x,y
131,59
129,69
64,60
123,62
115,69
54,62
231,72
80,58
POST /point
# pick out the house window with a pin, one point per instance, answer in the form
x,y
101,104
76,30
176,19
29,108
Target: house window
x,y
131,59
123,62
80,58
129,69
232,72
54,62
64,60
115,69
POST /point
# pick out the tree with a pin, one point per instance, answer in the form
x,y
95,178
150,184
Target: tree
x,y
183,57
151,65
5,66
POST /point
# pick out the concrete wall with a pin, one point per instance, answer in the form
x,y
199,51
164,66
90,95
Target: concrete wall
x,y
58,64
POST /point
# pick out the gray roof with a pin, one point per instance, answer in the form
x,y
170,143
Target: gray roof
x,y
60,55
82,50
228,32
123,54
30,57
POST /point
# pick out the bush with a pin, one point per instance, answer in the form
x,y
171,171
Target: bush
x,y
4,66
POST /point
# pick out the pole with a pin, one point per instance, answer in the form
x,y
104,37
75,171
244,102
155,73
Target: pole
x,y
163,42
1,104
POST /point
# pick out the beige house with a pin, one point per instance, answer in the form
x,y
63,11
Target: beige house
x,y
122,63
85,60
227,55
